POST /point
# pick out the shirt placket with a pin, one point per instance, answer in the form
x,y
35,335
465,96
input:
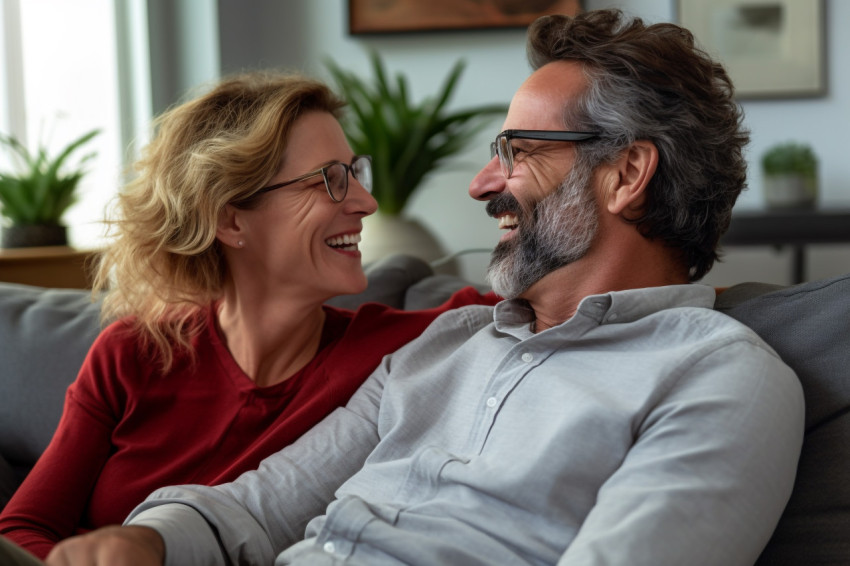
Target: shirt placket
x,y
517,364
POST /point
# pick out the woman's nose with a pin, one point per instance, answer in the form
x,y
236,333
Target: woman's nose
x,y
358,199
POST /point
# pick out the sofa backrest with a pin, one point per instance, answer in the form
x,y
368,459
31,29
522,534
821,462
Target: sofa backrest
x,y
809,327
45,334
44,337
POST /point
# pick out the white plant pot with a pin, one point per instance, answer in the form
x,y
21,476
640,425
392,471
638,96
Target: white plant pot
x,y
385,235
790,191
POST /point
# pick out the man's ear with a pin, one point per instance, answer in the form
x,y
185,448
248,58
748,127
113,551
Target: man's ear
x,y
633,170
230,231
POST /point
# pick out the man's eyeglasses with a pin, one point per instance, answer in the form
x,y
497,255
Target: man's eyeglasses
x,y
502,145
336,177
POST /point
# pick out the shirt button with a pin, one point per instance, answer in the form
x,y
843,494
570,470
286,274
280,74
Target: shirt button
x,y
492,402
527,358
329,547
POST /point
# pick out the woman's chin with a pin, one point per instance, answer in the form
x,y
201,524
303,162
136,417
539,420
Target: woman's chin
x,y
353,285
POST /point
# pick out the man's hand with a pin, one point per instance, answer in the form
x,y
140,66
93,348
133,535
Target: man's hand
x,y
110,546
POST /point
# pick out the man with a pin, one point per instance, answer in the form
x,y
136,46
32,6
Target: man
x,y
604,414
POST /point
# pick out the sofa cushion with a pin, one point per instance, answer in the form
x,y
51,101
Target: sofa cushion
x,y
389,279
44,337
433,291
9,481
809,327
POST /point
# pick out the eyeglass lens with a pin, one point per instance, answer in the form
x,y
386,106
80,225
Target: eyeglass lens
x,y
361,168
336,176
502,148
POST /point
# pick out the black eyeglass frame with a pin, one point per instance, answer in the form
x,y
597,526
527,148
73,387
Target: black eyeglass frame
x,y
506,159
323,171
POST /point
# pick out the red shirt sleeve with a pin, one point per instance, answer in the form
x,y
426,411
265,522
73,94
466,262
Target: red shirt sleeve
x,y
47,507
469,296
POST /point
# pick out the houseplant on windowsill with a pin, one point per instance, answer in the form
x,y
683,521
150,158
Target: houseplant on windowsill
x,y
407,142
790,176
34,199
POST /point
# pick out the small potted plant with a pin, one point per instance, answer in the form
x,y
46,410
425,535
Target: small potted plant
x,y
790,176
34,199
407,142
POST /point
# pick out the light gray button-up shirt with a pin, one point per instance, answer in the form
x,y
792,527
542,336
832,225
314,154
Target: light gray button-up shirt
x,y
647,429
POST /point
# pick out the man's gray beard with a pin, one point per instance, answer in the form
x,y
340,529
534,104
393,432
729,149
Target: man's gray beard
x,y
558,231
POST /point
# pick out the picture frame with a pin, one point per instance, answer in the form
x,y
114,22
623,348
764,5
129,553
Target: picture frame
x,y
405,16
770,48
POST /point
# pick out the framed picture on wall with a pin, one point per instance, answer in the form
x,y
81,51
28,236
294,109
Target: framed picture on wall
x,y
770,48
393,16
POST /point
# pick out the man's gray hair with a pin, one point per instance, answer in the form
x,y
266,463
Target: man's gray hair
x,y
652,83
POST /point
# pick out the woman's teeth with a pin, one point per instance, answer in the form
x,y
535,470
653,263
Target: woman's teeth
x,y
347,242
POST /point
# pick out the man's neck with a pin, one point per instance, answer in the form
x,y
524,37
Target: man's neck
x,y
555,298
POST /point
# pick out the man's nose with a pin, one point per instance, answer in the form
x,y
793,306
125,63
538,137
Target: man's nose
x,y
489,182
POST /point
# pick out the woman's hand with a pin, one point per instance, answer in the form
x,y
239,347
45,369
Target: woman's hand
x,y
110,546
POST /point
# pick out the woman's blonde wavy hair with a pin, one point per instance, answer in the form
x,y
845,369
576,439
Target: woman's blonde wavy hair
x,y
163,265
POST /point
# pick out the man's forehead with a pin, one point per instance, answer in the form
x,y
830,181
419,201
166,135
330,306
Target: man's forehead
x,y
540,100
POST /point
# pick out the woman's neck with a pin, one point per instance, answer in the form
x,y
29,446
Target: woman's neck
x,y
270,340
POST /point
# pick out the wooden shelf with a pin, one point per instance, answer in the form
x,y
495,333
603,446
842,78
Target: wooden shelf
x,y
55,266
791,227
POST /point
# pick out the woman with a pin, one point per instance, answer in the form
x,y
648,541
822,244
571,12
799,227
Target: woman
x,y
243,220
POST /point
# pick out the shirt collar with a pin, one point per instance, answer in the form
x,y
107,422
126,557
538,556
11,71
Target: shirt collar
x,y
612,307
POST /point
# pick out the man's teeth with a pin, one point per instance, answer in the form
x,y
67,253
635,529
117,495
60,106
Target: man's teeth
x,y
508,221
347,242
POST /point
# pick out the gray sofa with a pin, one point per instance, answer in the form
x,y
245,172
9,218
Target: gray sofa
x,y
45,333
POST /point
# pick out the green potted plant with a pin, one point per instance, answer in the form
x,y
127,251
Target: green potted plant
x,y
790,176
407,142
34,199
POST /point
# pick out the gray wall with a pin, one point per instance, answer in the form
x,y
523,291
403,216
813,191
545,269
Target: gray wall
x,y
184,47
298,34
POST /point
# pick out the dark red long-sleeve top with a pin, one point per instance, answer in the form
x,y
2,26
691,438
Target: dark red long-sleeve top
x,y
127,430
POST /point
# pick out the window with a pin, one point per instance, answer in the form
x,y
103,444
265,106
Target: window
x,y
60,73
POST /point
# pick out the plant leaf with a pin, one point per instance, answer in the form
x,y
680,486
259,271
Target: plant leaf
x,y
407,141
40,193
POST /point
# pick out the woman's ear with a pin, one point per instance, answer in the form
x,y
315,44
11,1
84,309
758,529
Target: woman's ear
x,y
633,170
229,231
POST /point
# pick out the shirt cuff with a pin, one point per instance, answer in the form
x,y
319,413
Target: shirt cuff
x,y
188,538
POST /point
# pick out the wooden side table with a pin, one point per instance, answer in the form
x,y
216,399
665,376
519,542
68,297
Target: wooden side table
x,y
55,266
795,228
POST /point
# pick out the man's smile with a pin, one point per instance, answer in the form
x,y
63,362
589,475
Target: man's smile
x,y
509,222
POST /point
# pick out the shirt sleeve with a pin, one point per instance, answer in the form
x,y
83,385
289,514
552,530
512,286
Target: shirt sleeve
x,y
710,471
261,513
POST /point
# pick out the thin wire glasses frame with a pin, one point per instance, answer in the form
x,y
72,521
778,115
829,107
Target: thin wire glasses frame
x,y
502,145
335,176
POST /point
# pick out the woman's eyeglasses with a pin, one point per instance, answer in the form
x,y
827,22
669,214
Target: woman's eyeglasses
x,y
335,176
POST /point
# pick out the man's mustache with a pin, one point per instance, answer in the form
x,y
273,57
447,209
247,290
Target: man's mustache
x,y
502,203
